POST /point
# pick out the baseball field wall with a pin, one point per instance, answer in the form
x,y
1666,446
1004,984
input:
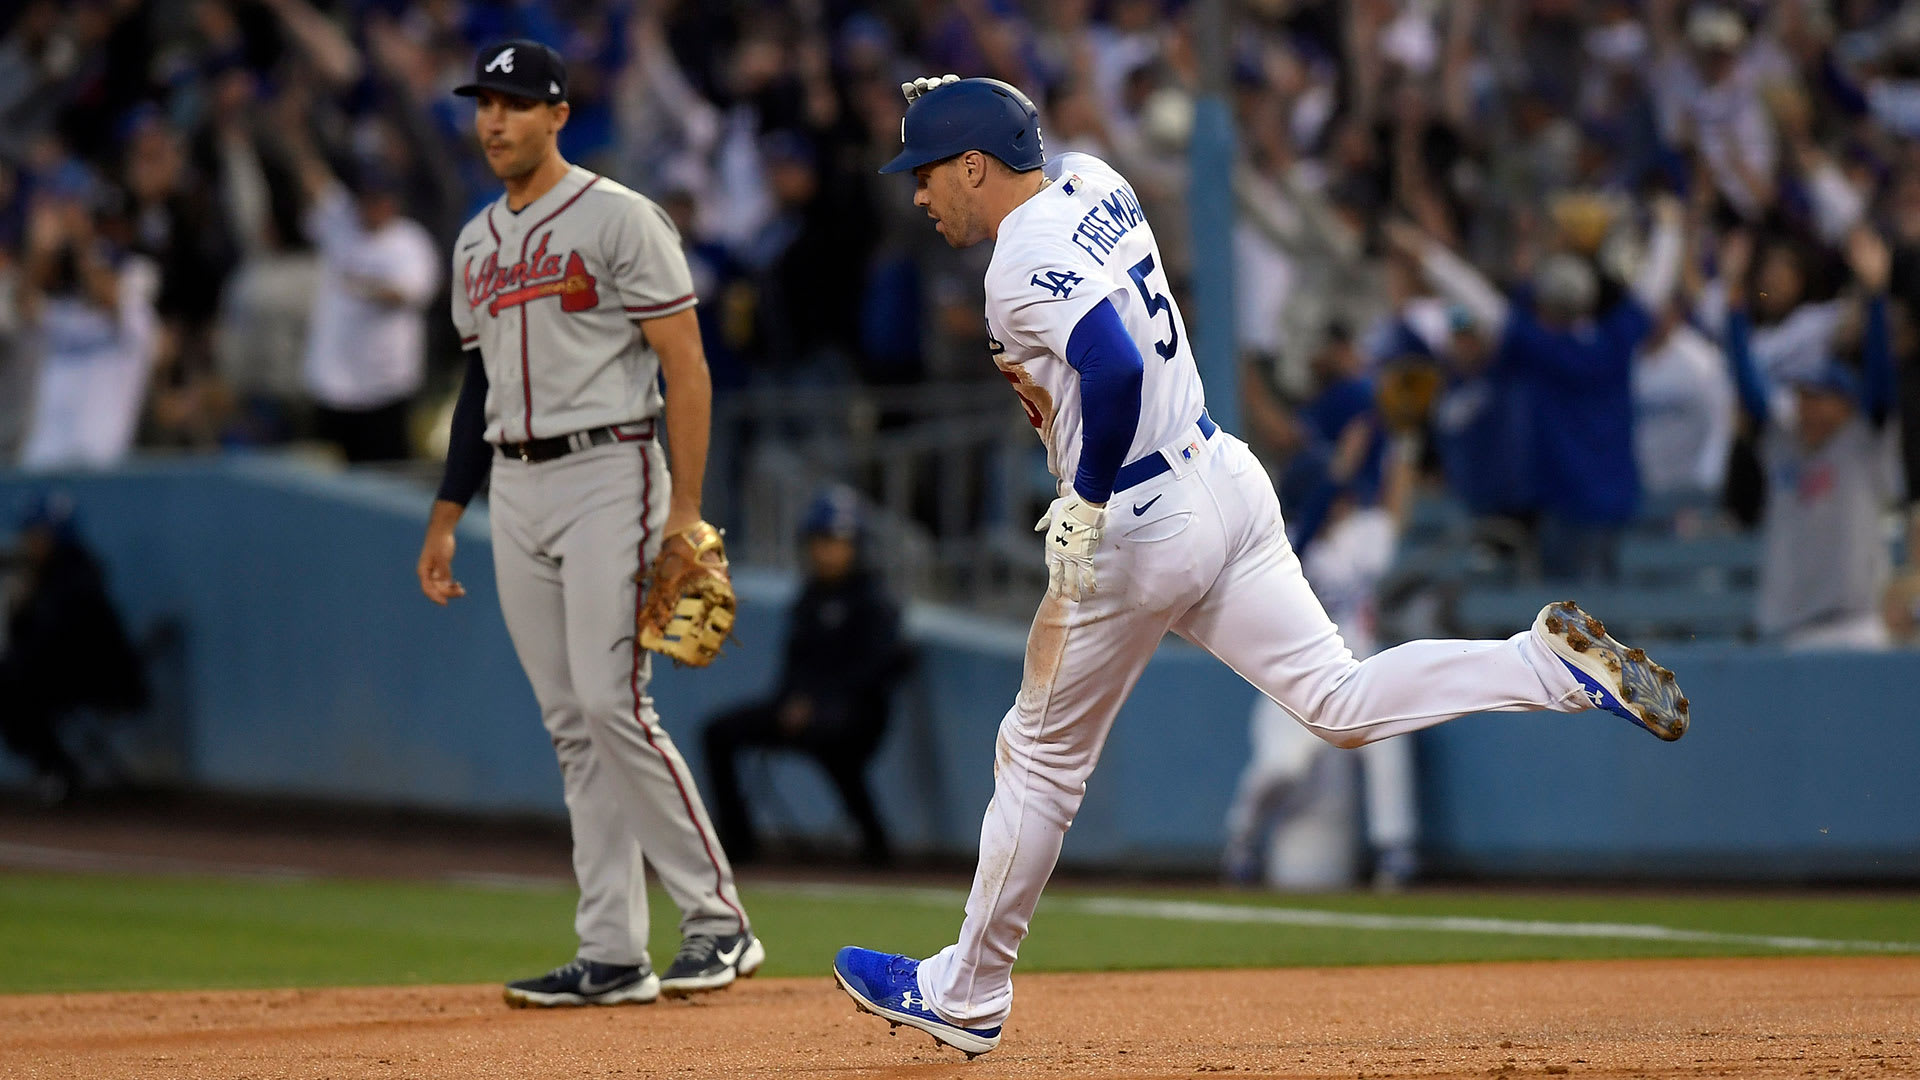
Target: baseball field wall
x,y
311,666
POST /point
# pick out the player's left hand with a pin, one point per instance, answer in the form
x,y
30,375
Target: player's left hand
x,y
1073,528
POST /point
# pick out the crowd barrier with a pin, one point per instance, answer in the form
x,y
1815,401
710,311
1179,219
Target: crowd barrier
x,y
313,667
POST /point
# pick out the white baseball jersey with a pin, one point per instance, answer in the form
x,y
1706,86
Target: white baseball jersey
x,y
1081,240
550,294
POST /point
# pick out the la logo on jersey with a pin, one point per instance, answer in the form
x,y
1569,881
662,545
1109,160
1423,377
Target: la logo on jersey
x,y
537,276
1058,282
503,62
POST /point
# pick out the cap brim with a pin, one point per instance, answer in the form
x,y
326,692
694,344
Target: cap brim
x,y
473,89
906,161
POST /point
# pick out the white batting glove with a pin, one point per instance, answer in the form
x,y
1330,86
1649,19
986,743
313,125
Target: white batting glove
x,y
1073,532
925,83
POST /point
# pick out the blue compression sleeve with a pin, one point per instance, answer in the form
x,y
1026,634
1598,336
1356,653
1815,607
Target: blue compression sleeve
x,y
1111,372
1876,351
469,457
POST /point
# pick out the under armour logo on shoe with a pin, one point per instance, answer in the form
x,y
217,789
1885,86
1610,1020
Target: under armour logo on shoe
x,y
503,62
908,1001
1599,699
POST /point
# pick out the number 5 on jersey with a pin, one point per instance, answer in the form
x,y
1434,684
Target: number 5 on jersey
x,y
1156,303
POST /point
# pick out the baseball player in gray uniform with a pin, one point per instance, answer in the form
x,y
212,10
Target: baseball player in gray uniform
x,y
573,299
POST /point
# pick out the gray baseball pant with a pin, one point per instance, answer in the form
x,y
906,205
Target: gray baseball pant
x,y
569,535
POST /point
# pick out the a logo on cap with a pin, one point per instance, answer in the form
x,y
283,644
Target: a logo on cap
x,y
553,88
503,62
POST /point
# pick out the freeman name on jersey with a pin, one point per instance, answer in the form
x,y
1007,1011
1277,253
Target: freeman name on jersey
x,y
1106,223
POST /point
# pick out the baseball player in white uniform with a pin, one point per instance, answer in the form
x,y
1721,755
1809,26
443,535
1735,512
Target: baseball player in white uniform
x,y
1163,522
573,299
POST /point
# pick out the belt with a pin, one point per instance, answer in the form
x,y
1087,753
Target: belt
x,y
534,451
1137,472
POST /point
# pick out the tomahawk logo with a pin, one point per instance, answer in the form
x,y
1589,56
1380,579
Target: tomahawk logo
x,y
503,62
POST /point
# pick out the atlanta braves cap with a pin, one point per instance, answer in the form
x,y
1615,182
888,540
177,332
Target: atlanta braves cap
x,y
520,67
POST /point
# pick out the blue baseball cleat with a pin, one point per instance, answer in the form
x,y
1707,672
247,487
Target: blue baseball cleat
x,y
884,984
1620,680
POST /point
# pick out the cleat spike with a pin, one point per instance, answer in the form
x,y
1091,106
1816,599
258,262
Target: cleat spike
x,y
1682,705
1596,627
1666,676
1638,656
1579,642
1554,625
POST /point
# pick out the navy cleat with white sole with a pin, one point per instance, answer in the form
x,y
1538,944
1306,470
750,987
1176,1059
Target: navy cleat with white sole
x,y
885,985
585,982
1620,680
711,962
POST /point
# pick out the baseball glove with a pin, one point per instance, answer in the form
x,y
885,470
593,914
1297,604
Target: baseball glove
x,y
1404,393
687,609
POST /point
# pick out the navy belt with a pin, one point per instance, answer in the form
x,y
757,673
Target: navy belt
x,y
536,451
1135,473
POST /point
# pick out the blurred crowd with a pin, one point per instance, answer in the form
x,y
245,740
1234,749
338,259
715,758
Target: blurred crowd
x,y
1588,258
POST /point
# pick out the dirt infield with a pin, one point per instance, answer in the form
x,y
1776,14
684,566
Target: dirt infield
x,y
1855,1017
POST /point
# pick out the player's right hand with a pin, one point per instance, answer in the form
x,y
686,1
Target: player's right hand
x,y
436,568
1073,528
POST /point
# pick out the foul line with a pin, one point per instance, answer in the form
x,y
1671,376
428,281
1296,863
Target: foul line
x,y
1199,911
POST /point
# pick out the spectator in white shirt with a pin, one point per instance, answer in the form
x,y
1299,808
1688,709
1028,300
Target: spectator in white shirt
x,y
92,318
366,337
1683,410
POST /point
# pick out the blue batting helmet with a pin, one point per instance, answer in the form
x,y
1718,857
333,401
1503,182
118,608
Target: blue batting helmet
x,y
973,114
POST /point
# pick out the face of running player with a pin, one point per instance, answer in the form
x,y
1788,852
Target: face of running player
x,y
516,133
949,191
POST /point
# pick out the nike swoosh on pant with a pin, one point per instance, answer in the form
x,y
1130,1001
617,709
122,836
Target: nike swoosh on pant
x,y
1139,509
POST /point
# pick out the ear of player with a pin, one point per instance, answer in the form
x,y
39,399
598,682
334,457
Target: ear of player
x,y
688,607
1073,528
924,83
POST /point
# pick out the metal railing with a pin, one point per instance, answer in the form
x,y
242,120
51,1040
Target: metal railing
x,y
952,475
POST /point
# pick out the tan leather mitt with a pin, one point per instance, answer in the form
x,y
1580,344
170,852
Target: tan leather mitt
x,y
687,609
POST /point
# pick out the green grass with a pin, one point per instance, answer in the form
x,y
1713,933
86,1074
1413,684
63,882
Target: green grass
x,y
99,932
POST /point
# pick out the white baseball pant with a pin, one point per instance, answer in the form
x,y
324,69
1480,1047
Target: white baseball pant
x,y
1198,550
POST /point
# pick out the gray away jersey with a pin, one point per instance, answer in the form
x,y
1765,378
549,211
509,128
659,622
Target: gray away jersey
x,y
550,296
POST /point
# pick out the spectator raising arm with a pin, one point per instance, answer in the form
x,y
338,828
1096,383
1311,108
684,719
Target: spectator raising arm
x,y
1871,262
1660,269
1453,276
1735,255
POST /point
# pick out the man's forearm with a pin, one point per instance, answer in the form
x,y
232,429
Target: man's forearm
x,y
444,516
683,364
689,416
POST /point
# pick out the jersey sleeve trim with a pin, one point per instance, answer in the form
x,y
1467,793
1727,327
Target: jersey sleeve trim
x,y
668,307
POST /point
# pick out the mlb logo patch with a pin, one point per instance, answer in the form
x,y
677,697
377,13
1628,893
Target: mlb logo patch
x,y
1067,185
1191,449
